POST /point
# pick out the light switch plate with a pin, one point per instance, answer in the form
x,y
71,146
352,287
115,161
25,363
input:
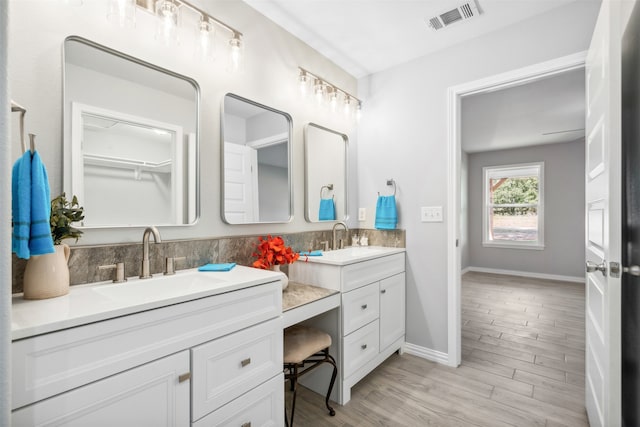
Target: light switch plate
x,y
431,213
362,214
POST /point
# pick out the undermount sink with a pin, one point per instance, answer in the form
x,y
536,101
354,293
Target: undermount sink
x,y
161,287
353,254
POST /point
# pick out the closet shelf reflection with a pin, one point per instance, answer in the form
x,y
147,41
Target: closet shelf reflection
x,y
123,163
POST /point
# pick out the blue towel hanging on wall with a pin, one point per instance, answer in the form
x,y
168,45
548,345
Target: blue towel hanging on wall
x,y
386,213
327,210
30,207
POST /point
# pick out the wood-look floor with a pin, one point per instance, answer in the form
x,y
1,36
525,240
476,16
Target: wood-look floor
x,y
522,365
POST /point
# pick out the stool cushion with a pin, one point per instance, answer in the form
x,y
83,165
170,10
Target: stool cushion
x,y
302,342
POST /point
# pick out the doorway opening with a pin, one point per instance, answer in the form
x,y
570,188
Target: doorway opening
x,y
456,94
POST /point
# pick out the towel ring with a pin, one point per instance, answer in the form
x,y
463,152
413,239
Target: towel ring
x,y
329,187
391,182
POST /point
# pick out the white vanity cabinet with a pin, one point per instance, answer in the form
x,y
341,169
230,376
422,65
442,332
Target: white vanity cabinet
x,y
207,361
370,325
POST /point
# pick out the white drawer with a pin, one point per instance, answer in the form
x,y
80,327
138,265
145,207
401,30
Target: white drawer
x,y
360,307
363,273
148,395
54,363
228,367
360,347
260,407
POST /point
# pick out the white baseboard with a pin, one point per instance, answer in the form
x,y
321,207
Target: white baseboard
x,y
426,353
465,270
525,274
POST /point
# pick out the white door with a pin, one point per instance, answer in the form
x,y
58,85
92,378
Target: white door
x,y
603,184
240,183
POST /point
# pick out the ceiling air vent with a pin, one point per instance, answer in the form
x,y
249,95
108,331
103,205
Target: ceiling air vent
x,y
463,12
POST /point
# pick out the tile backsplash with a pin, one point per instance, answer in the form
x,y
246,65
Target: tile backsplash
x,y
85,260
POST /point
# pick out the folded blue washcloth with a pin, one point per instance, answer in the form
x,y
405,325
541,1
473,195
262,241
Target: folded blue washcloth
x,y
217,267
327,210
386,213
317,252
30,207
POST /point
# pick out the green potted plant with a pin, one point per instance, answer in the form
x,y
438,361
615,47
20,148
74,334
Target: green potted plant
x,y
47,276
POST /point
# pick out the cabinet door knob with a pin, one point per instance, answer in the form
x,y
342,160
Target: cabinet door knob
x,y
363,346
364,306
246,424
245,362
384,291
184,377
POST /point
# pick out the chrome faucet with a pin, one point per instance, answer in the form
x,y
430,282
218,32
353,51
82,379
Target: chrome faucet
x,y
335,239
145,249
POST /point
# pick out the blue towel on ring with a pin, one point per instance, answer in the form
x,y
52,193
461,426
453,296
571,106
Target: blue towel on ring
x,y
30,207
327,210
386,213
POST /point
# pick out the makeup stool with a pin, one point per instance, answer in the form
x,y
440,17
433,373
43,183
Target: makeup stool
x,y
304,346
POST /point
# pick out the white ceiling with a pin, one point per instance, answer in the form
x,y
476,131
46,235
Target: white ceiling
x,y
368,36
522,115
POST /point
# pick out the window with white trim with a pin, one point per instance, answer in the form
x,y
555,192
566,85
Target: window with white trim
x,y
513,207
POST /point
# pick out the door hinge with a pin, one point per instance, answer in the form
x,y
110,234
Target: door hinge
x,y
457,242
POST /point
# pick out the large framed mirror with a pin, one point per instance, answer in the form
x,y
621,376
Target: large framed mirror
x,y
256,163
131,139
325,156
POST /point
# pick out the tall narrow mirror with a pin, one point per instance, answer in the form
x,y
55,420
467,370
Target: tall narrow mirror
x,y
256,163
131,142
325,157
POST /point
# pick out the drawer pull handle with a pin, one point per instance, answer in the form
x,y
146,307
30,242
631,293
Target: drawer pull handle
x,y
364,306
363,346
384,291
246,424
184,377
245,362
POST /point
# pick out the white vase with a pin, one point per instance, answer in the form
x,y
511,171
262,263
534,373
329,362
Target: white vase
x,y
284,280
47,276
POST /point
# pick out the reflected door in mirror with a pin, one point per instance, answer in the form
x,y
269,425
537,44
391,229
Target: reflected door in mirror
x,y
256,163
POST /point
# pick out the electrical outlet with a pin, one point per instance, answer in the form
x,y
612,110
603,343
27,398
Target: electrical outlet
x,y
362,214
431,213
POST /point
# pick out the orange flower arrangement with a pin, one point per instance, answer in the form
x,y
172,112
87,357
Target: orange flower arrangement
x,y
272,251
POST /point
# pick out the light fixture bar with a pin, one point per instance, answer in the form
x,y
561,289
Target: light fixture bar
x,y
149,5
313,76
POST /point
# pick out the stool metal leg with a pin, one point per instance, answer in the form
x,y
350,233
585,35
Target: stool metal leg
x,y
329,359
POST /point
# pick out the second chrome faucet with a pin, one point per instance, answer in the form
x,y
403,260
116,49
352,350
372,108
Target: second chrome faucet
x,y
144,271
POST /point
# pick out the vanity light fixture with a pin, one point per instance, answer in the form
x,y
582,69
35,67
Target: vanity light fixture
x,y
167,12
322,90
121,12
167,25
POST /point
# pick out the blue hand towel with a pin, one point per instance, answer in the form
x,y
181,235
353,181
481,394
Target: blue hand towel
x,y
217,267
40,240
21,205
386,213
30,207
311,253
327,210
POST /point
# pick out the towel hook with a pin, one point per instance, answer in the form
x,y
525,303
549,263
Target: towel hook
x,y
329,187
391,182
18,108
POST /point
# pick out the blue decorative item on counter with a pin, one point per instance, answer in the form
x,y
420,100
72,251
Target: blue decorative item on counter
x,y
218,267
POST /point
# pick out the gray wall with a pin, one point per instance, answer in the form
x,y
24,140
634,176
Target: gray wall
x,y
563,211
403,135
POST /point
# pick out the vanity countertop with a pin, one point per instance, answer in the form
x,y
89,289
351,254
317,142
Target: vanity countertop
x,y
105,300
351,255
298,294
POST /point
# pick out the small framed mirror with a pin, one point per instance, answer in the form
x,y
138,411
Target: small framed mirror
x,y
131,138
325,156
256,163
